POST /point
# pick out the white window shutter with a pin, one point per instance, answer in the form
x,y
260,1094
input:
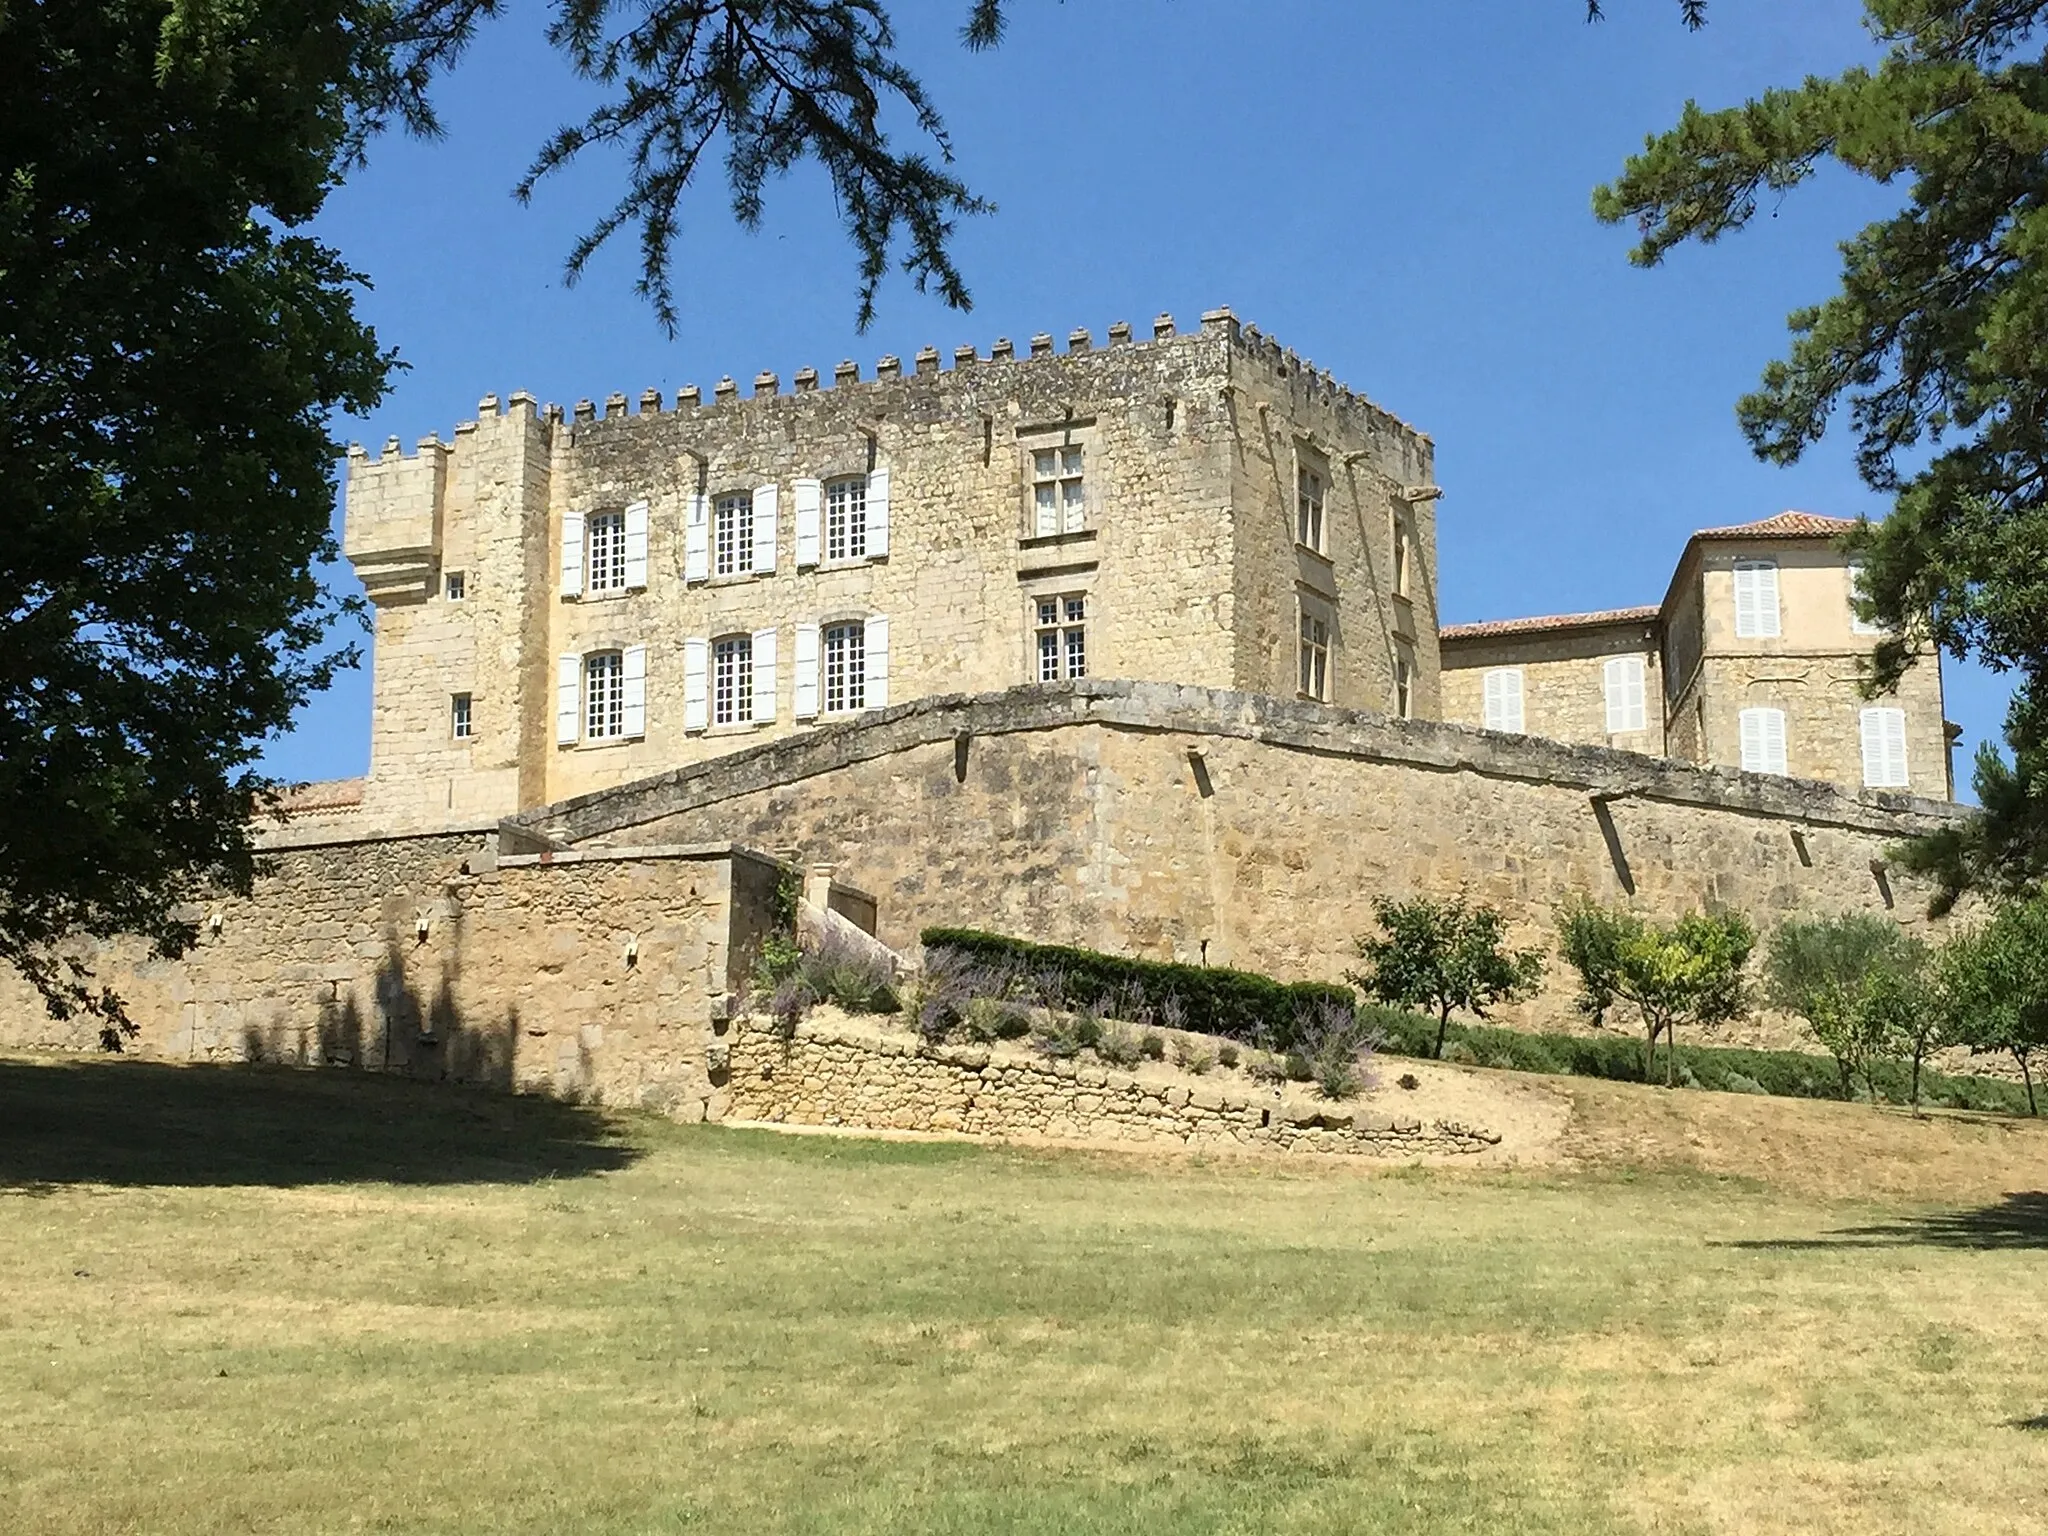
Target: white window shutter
x,y
875,636
1763,740
810,495
696,684
878,513
806,672
1756,599
572,554
1623,680
1884,748
764,675
636,545
1503,687
568,700
697,539
633,689
766,502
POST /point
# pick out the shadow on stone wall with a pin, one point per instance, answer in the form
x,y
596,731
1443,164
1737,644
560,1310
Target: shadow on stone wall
x,y
141,1123
424,1036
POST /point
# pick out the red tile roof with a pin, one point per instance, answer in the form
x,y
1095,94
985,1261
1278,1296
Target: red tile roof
x,y
326,795
1552,621
1786,525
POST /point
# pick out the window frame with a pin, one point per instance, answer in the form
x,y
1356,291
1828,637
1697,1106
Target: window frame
x,y
461,717
610,528
854,520
1404,683
1857,624
852,681
616,702
1314,631
732,513
732,679
1057,638
454,586
1312,487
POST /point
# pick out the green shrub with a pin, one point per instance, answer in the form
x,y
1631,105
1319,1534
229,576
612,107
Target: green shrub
x,y
1226,1055
1118,1044
1153,1044
1728,1069
1194,1055
1297,1068
1203,1000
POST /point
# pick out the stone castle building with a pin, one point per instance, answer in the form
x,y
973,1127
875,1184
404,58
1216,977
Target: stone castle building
x,y
568,604
565,605
1131,646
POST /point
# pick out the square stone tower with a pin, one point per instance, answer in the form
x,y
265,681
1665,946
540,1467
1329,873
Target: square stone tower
x,y
568,604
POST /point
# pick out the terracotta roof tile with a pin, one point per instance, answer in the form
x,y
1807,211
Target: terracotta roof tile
x,y
1552,621
1786,525
326,795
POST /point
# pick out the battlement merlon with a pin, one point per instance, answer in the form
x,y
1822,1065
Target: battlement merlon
x,y
1279,367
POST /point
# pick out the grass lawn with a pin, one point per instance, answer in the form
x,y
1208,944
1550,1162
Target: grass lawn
x,y
247,1301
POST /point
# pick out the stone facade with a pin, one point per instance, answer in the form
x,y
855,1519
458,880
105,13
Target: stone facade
x,y
1156,494
1791,659
838,1072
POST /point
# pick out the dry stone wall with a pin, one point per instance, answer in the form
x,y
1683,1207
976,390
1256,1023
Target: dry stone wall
x,y
838,1072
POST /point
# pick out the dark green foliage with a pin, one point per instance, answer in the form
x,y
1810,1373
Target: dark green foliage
x,y
1449,956
1226,1055
1725,1069
1935,349
1234,1004
1152,1045
172,344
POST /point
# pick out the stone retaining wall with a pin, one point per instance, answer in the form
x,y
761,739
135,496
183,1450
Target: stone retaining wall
x,y
838,1072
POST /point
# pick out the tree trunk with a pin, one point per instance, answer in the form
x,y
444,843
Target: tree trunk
x,y
1443,1027
1670,1051
1916,1080
2027,1072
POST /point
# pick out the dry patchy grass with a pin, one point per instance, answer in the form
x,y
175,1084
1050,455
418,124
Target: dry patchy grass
x,y
502,1316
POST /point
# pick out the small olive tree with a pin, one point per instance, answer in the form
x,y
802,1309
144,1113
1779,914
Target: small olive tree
x,y
1861,985
1995,983
1449,956
1687,972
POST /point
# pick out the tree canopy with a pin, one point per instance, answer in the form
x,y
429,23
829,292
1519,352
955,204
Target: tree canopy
x,y
1935,349
170,351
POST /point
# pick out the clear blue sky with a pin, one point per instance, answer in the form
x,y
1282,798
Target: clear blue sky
x,y
1399,191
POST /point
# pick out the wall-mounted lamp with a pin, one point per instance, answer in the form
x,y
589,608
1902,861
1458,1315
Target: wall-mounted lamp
x,y
419,929
632,950
213,921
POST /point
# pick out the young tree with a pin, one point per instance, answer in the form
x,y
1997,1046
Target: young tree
x,y
1687,972
171,345
1996,982
1853,978
1935,348
1448,956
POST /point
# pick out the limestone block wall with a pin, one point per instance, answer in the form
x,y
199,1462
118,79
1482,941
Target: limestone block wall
x,y
589,976
839,1072
1289,415
1564,688
1200,826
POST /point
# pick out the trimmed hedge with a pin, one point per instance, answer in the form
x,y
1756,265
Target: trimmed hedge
x,y
1237,1005
1726,1069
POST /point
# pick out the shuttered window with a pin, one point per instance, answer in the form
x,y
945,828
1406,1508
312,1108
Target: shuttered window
x,y
1884,748
846,518
732,680
732,524
1503,695
605,568
1763,740
1857,624
845,668
1626,710
1756,599
604,696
